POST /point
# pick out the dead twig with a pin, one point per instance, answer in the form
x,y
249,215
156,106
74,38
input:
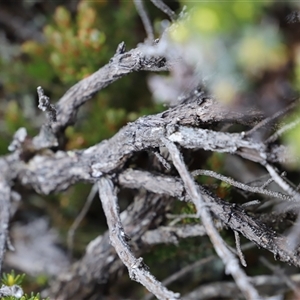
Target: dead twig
x,y
223,252
184,271
281,274
79,218
243,186
238,249
120,65
139,5
164,8
263,283
171,234
138,271
231,215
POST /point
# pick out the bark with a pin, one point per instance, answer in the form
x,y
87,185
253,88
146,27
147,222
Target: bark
x,y
196,124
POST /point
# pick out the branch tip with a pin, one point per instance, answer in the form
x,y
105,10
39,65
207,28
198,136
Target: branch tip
x,y
45,105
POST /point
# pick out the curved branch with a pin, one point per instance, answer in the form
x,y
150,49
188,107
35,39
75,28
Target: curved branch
x,y
120,65
243,186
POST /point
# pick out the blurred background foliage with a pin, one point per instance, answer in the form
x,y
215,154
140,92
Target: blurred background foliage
x,y
235,45
75,44
245,53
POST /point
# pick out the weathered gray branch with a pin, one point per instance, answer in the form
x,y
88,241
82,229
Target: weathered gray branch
x,y
231,215
145,19
240,185
184,271
120,65
100,264
138,271
171,234
145,133
230,261
165,8
266,285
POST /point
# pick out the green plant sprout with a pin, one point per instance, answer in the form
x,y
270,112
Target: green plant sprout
x,y
12,283
11,278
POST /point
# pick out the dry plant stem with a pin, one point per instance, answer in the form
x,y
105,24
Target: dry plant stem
x,y
184,271
18,139
46,137
145,133
281,182
282,130
221,290
230,261
241,185
178,218
293,236
162,160
231,215
280,273
139,4
100,264
170,234
269,120
120,65
251,203
196,138
165,8
239,250
45,105
137,269
79,218
265,184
